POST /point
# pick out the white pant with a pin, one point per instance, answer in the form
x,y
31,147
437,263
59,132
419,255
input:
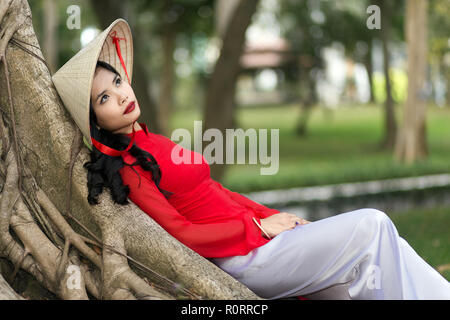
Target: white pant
x,y
359,248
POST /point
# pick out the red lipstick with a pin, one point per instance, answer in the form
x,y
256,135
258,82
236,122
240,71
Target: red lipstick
x,y
129,108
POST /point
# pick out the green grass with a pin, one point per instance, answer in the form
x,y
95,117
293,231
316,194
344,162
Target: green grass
x,y
340,146
427,231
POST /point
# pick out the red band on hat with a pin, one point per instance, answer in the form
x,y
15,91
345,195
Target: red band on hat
x,y
100,146
116,39
110,151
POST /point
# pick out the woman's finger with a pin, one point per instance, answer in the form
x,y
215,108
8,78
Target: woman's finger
x,y
301,221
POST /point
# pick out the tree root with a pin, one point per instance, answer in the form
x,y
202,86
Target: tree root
x,y
120,282
40,253
6,292
49,264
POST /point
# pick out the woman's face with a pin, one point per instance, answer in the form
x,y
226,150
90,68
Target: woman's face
x,y
110,96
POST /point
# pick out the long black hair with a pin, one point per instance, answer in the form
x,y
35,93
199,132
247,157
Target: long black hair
x,y
103,170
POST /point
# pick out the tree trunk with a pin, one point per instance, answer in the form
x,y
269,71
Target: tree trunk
x,y
390,125
223,12
220,96
41,169
411,142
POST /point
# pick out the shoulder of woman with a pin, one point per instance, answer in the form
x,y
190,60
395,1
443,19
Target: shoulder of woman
x,y
133,174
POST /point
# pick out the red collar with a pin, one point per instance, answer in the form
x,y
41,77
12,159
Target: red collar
x,y
116,153
144,128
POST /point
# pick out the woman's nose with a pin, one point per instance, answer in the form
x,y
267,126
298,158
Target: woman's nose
x,y
123,98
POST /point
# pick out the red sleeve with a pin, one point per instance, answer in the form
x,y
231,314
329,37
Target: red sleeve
x,y
230,238
261,210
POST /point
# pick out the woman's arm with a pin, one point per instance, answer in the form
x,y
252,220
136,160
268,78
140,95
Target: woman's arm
x,y
261,210
234,237
271,224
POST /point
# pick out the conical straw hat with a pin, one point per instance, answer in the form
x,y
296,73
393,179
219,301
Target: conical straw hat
x,y
73,80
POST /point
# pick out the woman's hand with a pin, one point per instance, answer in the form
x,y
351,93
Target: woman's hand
x,y
279,222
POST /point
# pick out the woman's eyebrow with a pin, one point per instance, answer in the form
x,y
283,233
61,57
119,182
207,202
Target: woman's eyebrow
x,y
106,89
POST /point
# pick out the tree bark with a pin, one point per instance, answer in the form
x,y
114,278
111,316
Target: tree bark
x,y
411,143
48,171
220,96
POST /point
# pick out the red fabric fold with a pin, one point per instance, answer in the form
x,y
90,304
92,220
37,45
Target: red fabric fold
x,y
208,218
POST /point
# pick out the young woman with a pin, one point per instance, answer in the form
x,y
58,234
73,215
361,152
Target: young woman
x,y
276,254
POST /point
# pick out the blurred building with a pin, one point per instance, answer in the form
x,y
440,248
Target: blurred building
x,y
264,69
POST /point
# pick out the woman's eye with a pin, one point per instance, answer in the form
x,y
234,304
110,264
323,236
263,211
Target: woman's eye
x,y
101,100
118,81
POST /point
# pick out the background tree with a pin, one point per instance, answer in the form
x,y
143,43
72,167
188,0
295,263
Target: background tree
x,y
411,143
221,86
302,23
389,119
311,26
179,20
314,25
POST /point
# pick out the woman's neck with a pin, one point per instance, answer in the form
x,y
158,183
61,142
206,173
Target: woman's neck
x,y
129,129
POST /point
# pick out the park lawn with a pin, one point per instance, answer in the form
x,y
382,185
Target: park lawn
x,y
427,232
340,146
